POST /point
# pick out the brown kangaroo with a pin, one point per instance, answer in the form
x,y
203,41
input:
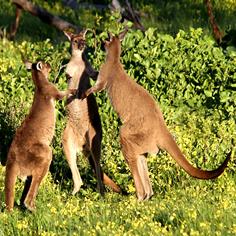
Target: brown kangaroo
x,y
83,130
30,154
144,129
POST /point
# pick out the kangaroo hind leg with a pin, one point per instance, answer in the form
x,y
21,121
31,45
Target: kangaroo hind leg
x,y
106,180
10,181
70,147
95,155
29,201
26,189
143,171
137,164
134,168
43,157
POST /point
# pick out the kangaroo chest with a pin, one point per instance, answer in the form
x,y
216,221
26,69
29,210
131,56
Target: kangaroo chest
x,y
74,72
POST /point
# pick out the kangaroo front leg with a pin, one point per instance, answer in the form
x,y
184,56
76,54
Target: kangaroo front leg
x,y
70,148
96,88
99,86
61,94
143,171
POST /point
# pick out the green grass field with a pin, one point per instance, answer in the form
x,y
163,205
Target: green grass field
x,y
191,78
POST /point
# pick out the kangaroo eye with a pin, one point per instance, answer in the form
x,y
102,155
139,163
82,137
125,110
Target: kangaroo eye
x,y
68,77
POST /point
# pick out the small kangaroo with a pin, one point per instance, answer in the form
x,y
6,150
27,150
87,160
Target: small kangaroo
x,y
83,130
144,129
30,154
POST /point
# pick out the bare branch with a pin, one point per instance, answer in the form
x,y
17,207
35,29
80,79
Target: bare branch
x,y
15,25
115,6
132,16
216,31
43,15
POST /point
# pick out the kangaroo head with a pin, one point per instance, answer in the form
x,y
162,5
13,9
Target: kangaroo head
x,y
40,70
112,45
78,42
112,48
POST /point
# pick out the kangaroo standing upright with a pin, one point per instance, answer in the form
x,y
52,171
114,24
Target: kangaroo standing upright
x,y
144,129
30,154
83,130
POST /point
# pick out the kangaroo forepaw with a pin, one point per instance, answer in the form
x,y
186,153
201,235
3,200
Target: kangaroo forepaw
x,y
83,95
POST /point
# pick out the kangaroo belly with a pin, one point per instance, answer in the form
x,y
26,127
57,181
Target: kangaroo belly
x,y
78,118
78,110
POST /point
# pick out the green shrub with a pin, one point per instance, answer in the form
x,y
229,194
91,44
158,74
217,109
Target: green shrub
x,y
191,78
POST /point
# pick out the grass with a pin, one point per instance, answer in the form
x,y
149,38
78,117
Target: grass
x,y
191,207
181,205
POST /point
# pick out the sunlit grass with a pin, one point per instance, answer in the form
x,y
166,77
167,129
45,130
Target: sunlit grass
x,y
188,208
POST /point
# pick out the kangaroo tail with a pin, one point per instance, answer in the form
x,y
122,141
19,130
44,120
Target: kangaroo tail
x,y
109,182
172,148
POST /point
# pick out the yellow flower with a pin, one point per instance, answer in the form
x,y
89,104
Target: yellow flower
x,y
22,225
234,229
53,210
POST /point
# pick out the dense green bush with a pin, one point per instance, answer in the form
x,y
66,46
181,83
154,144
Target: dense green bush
x,y
192,79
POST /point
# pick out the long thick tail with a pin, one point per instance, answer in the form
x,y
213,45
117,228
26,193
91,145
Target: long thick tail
x,y
172,148
107,181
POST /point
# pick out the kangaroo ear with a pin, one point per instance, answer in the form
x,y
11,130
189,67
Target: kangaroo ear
x,y
68,34
110,35
28,65
39,66
83,32
122,34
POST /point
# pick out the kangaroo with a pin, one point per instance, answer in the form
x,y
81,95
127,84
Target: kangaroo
x,y
83,130
30,155
144,130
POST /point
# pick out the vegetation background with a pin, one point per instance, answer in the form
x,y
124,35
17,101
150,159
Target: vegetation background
x,y
192,79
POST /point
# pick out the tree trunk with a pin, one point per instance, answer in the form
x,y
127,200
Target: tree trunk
x,y
42,14
215,28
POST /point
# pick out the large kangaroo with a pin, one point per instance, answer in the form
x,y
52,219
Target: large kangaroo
x,y
83,130
30,154
144,129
